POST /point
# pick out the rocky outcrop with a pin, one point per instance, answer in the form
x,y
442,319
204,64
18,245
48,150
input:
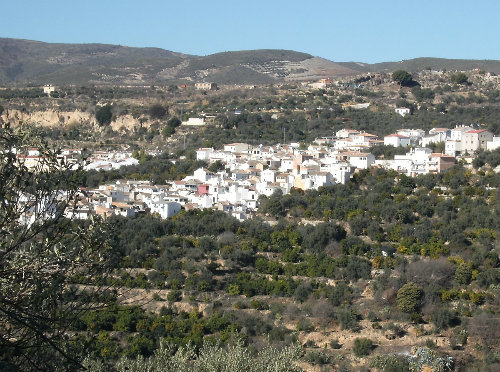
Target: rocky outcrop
x,y
55,118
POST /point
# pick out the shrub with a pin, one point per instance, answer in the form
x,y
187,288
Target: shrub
x,y
409,298
317,357
349,319
174,296
305,324
334,344
362,347
444,318
258,305
463,274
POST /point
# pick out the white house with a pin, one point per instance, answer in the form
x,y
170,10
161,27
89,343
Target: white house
x,y
414,134
204,153
493,144
195,122
475,139
165,209
403,111
346,133
453,147
361,160
396,140
47,89
457,132
202,174
268,175
236,147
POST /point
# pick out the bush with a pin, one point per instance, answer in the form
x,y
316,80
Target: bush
x,y
157,111
174,296
303,291
444,318
463,274
305,325
334,344
349,319
362,347
258,305
317,357
409,298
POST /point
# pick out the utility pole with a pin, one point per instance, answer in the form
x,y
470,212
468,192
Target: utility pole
x,y
284,137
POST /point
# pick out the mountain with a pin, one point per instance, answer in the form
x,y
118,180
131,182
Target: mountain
x,y
25,62
419,64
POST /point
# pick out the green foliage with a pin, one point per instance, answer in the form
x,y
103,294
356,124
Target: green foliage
x,y
40,251
459,78
444,318
391,363
409,298
174,296
211,357
463,274
104,114
305,325
403,78
362,347
317,357
423,94
157,111
349,319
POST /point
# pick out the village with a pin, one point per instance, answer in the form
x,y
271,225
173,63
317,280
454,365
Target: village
x,y
244,172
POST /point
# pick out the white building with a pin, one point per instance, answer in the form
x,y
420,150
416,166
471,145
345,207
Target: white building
x,y
204,153
453,147
165,209
475,139
493,144
47,89
396,140
403,111
346,133
236,147
195,122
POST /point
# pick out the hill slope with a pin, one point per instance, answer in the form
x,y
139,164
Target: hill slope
x,y
419,64
32,62
25,62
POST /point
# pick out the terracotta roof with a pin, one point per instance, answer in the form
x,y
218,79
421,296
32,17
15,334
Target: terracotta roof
x,y
476,131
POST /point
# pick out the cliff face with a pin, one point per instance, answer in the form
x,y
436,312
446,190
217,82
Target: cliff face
x,y
56,118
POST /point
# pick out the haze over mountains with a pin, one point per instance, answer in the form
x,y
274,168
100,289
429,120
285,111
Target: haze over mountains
x,y
24,62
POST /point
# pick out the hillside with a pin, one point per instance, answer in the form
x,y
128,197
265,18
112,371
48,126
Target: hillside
x,y
25,62
419,64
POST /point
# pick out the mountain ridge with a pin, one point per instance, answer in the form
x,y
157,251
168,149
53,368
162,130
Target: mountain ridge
x,y
30,62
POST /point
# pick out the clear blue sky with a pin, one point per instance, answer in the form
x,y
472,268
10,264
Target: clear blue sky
x,y
348,30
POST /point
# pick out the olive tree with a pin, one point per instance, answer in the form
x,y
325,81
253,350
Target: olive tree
x,y
403,78
409,297
41,252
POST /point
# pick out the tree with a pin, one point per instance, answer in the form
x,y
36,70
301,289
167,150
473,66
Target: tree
x,y
463,274
157,111
169,129
104,115
402,77
459,78
174,122
409,297
41,252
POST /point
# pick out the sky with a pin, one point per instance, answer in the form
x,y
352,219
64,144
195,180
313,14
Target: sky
x,y
349,30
